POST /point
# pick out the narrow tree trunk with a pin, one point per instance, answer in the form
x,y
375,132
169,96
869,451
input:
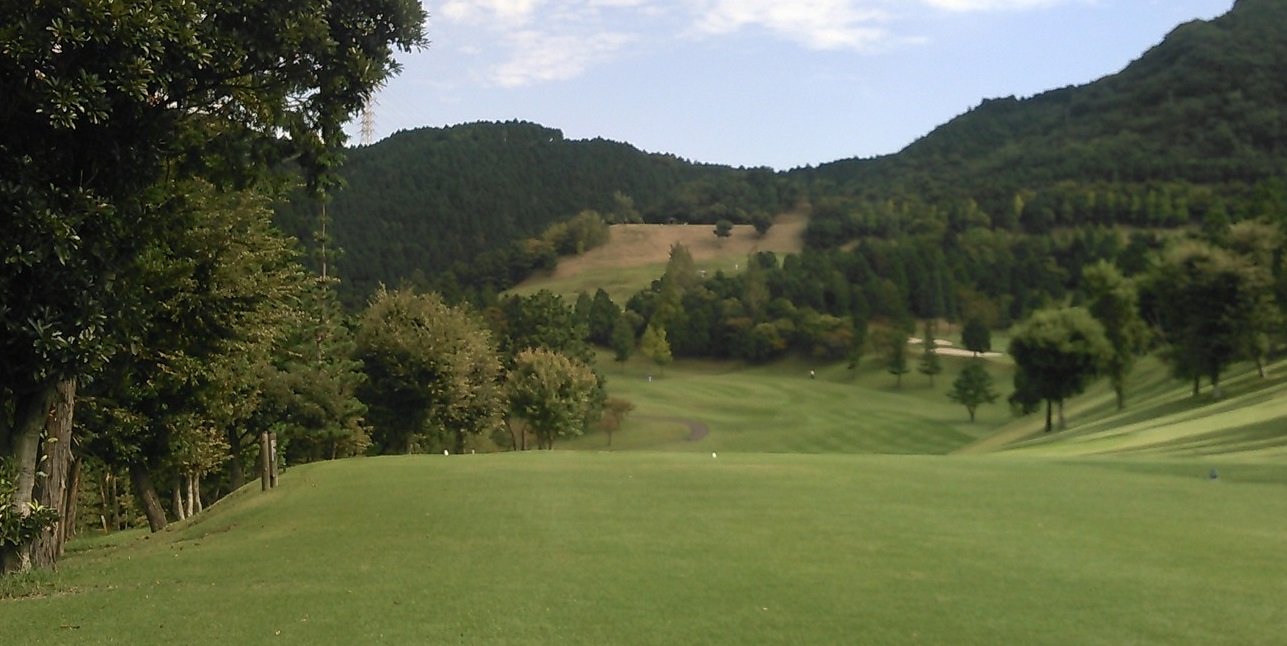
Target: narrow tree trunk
x,y
1049,410
192,495
196,493
264,466
52,490
177,494
1197,384
1063,423
146,493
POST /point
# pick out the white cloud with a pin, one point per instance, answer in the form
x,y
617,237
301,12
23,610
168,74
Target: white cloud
x,y
816,24
505,12
991,5
539,57
552,40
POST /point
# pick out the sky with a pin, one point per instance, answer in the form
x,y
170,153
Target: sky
x,y
775,83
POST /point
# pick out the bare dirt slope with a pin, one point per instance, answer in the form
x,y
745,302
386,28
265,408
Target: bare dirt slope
x,y
636,245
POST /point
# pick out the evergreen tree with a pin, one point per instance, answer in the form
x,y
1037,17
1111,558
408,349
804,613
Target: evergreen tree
x,y
930,364
976,336
654,346
973,387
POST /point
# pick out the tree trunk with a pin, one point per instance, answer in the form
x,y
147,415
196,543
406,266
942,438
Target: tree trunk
x,y
1197,384
176,493
31,411
196,493
191,503
1049,409
53,490
236,477
1063,423
146,493
971,414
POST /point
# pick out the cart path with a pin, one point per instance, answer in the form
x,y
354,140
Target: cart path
x,y
696,430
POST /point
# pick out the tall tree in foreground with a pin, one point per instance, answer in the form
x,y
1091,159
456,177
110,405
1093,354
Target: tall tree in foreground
x,y
103,101
1059,352
433,373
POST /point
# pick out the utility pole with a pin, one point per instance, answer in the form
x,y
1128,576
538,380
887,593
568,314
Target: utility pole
x,y
368,122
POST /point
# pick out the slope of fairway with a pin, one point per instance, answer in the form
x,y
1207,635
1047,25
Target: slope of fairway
x,y
779,408
1164,419
668,548
637,254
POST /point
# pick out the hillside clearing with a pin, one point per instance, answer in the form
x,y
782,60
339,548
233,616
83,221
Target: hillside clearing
x,y
637,254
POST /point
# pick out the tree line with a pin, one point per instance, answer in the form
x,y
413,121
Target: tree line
x,y
139,268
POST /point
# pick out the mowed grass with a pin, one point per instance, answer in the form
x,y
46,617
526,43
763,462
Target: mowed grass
x,y
1164,420
681,548
779,408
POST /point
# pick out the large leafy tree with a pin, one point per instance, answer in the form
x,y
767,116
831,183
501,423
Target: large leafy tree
x,y
433,373
225,286
1209,304
1059,352
103,100
1113,300
552,392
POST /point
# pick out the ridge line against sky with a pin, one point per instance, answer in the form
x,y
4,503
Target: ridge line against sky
x,y
759,82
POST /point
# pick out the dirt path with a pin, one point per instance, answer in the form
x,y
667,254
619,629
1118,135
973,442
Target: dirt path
x,y
696,430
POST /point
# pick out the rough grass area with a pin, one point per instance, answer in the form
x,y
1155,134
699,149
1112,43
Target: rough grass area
x,y
636,255
673,548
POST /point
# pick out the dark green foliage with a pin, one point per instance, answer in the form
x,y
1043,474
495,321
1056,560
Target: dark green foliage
x,y
976,336
973,387
1201,107
457,200
1114,302
623,337
1058,352
930,364
1209,305
541,320
723,228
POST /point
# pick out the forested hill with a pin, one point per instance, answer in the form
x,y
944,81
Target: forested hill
x,y
434,201
1205,106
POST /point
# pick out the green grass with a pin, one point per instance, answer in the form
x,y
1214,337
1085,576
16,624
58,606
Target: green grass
x,y
815,524
666,548
779,408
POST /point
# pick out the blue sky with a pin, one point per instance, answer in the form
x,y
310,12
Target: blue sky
x,y
776,83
